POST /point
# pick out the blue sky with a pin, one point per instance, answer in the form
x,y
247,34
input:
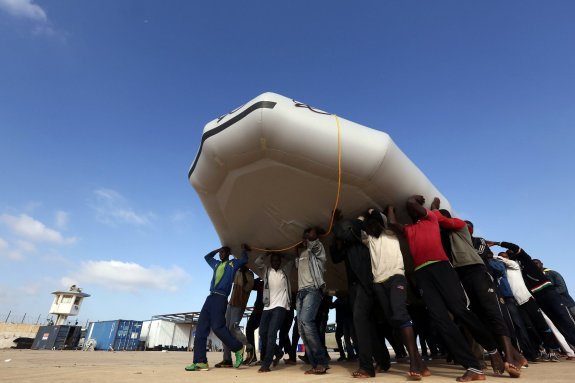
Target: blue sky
x,y
102,105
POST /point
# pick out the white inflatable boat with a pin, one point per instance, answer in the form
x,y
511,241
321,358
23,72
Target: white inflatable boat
x,y
275,166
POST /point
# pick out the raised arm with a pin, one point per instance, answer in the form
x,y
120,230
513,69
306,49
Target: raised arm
x,y
243,260
508,262
210,258
447,222
260,265
392,219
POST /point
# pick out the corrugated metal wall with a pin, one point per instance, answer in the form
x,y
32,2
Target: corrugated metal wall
x,y
119,335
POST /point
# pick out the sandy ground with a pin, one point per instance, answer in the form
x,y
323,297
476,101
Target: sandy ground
x,y
23,366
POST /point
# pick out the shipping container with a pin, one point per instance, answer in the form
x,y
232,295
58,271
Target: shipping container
x,y
117,335
161,334
57,337
165,334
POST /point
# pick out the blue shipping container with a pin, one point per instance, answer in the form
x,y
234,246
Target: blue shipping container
x,y
118,335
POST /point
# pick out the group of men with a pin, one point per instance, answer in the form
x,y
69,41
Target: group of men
x,y
459,296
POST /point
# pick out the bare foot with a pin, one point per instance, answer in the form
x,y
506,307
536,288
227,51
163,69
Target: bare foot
x,y
497,363
360,374
512,370
470,376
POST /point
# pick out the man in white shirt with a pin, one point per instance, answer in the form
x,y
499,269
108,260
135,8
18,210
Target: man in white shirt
x,y
277,300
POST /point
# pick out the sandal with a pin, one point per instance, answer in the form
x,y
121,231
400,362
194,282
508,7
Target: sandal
x,y
360,374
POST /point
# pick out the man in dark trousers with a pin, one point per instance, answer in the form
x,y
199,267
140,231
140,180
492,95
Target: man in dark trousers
x,y
348,247
213,314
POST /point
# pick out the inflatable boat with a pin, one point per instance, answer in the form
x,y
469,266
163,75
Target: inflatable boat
x,y
275,166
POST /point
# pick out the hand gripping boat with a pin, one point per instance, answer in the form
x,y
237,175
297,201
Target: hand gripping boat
x,y
275,166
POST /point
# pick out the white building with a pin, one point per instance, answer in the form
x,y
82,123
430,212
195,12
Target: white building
x,y
67,303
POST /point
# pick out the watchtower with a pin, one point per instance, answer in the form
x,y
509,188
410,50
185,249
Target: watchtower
x,y
67,303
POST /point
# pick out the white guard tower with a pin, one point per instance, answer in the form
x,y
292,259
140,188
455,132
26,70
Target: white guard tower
x,y
67,303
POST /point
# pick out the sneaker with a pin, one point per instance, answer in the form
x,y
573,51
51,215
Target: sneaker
x,y
225,364
256,363
542,356
197,367
553,357
239,357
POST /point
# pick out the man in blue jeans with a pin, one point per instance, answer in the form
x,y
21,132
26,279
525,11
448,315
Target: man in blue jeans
x,y
213,314
311,267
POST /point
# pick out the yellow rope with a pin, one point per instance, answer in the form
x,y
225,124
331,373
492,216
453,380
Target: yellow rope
x,y
336,197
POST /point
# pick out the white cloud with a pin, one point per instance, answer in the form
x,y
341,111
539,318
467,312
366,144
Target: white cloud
x,y
61,219
34,15
25,246
112,209
127,276
25,9
27,227
15,253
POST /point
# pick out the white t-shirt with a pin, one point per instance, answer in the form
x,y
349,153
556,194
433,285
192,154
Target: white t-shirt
x,y
278,289
386,257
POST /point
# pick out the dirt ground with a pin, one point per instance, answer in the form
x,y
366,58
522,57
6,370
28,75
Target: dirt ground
x,y
30,366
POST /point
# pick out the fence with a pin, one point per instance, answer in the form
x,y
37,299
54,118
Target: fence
x,y
35,318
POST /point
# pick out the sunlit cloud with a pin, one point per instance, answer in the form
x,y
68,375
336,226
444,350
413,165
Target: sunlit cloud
x,y
126,276
33,14
31,229
113,209
24,9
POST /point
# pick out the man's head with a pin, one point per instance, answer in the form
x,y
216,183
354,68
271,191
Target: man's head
x,y
503,254
411,206
445,213
310,234
275,261
539,264
375,223
225,253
